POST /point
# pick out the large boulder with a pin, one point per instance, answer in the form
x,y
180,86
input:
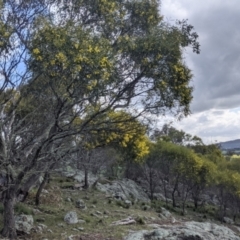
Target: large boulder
x,y
124,190
80,177
71,217
186,231
24,223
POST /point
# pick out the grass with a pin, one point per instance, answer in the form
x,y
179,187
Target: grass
x,y
53,207
100,213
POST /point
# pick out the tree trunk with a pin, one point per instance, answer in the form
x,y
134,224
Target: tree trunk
x,y
173,199
86,185
151,185
165,189
45,179
9,230
195,203
173,193
27,186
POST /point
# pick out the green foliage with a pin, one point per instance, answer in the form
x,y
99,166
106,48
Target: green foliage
x,y
179,137
21,208
174,159
234,164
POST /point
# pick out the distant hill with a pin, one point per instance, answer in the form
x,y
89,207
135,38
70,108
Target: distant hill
x,y
230,145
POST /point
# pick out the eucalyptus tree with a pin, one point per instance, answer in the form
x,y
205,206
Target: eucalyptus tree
x,y
61,60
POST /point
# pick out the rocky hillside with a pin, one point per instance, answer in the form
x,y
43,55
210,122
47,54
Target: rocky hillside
x,y
113,210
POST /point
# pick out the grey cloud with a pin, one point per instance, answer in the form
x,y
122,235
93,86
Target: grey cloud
x,y
203,119
218,113
217,69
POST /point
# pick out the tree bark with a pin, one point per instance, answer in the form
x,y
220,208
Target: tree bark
x,y
173,193
45,179
86,185
27,186
9,230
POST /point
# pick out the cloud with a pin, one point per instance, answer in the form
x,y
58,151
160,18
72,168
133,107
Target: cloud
x,y
212,125
216,69
216,99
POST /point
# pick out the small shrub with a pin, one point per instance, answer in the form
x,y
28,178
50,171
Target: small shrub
x,y
144,208
88,220
140,220
122,204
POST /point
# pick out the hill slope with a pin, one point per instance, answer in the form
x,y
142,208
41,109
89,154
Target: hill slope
x,y
230,145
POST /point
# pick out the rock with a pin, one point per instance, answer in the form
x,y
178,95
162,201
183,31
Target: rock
x,y
60,225
210,198
95,215
154,225
128,203
99,213
71,217
45,191
228,220
68,171
70,237
125,221
161,197
165,214
124,190
36,211
186,231
80,177
80,204
24,223
43,226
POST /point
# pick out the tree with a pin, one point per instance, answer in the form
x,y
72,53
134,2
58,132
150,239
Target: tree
x,y
205,177
169,133
80,59
227,183
178,168
115,129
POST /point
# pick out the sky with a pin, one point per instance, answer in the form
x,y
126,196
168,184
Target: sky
x,y
216,98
